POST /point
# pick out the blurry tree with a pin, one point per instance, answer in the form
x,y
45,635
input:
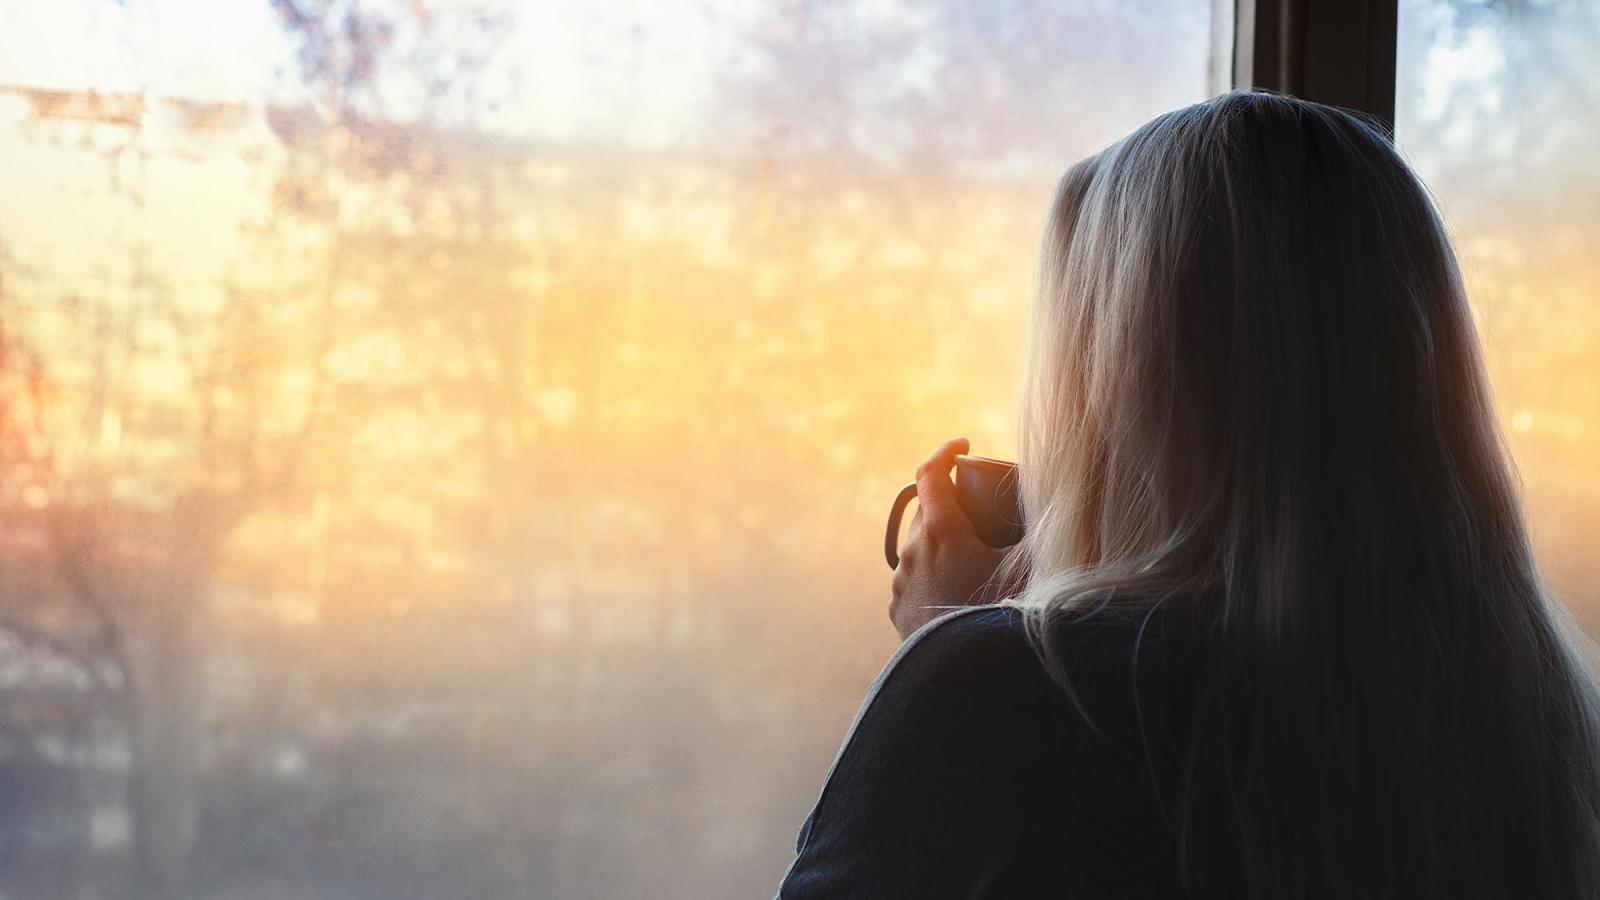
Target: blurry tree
x,y
146,486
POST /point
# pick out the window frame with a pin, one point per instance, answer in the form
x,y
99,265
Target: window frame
x,y
1339,52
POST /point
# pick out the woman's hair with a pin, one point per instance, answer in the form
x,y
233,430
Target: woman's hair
x,y
1254,390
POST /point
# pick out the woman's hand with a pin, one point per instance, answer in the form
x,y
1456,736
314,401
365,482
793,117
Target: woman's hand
x,y
943,565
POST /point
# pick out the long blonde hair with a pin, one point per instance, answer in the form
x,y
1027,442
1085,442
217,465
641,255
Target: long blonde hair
x,y
1254,392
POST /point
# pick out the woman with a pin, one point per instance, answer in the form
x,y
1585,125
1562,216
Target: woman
x,y
1279,632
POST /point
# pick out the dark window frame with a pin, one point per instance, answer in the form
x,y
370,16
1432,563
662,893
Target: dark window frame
x,y
1339,52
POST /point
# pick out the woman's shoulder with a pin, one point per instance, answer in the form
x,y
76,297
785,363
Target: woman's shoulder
x,y
970,640
995,640
1119,670
970,770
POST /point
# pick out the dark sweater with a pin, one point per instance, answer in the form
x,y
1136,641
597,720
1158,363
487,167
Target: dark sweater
x,y
969,773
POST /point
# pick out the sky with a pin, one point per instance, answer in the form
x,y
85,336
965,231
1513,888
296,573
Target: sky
x,y
632,72
576,63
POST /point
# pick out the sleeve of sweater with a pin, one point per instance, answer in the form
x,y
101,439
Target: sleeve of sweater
x,y
958,778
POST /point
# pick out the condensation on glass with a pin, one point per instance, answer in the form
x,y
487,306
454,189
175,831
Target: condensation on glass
x,y
443,445
1496,110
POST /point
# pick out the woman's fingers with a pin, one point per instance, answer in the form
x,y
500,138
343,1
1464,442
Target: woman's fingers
x,y
936,495
943,563
913,541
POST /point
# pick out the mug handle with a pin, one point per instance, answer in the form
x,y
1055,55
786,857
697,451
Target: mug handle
x,y
891,537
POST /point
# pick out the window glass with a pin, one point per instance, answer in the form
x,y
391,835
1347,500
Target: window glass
x,y
1496,110
444,444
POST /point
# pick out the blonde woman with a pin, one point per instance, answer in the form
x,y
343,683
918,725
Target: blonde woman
x,y
1275,628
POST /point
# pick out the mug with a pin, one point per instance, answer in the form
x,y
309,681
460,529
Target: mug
x,y
987,491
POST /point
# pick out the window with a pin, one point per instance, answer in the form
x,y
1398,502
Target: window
x,y
446,442
1493,109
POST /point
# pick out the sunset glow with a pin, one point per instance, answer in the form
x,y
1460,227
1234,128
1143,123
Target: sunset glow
x,y
454,437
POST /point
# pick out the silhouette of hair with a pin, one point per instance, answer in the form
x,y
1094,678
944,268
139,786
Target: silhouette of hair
x,y
1254,391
